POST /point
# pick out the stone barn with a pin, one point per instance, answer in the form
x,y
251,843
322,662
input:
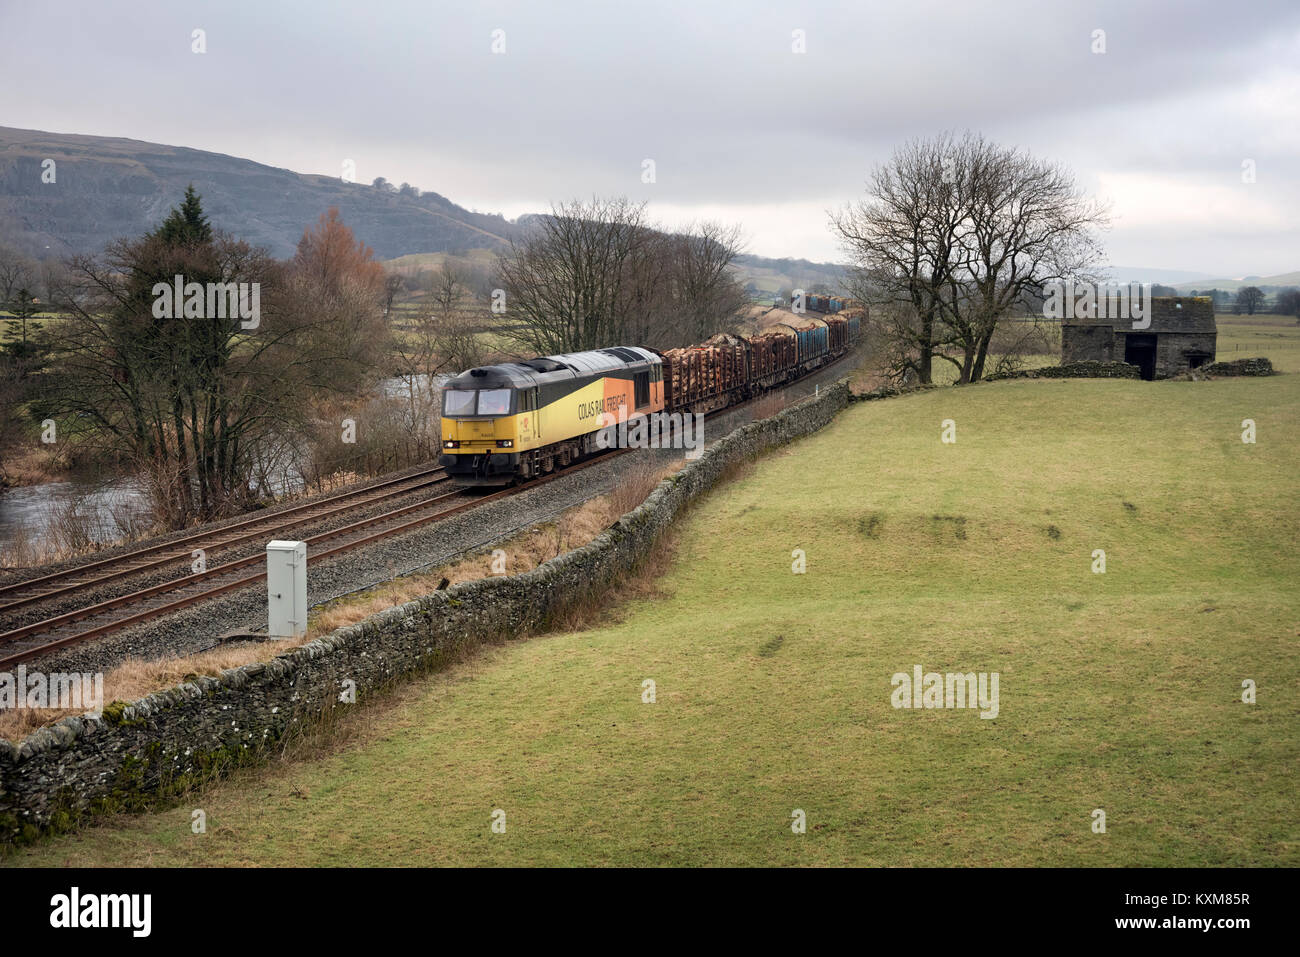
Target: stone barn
x,y
1181,336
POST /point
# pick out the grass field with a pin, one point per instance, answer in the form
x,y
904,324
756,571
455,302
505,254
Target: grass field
x,y
470,257
1277,337
1118,691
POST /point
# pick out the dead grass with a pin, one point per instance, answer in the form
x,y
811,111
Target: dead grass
x,y
20,551
135,678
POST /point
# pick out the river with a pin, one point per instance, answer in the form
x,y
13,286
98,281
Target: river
x,y
104,512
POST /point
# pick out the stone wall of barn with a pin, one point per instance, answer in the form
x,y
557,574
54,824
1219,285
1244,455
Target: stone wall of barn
x,y
1088,343
1183,326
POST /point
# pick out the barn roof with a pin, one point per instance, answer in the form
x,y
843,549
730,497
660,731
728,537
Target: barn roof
x,y
1169,314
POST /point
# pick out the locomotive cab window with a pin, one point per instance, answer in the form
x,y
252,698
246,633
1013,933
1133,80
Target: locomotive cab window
x,y
458,402
493,401
641,381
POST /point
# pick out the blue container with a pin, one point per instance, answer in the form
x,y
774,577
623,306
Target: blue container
x,y
812,343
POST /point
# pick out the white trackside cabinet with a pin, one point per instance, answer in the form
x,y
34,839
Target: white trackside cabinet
x,y
286,589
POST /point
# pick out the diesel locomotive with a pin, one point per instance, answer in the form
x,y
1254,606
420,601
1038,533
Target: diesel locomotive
x,y
517,420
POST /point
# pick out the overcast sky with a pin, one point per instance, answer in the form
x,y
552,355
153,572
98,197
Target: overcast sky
x,y
739,126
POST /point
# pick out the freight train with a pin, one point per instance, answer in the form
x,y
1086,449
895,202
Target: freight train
x,y
829,304
516,420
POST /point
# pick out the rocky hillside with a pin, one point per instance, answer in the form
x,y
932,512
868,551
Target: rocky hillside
x,y
106,188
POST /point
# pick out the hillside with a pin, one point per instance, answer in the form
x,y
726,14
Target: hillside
x,y
109,187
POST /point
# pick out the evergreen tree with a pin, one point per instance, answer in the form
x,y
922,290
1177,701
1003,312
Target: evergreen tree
x,y
21,327
186,226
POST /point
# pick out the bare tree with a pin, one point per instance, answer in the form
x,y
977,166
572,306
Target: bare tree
x,y
1288,303
598,273
16,272
443,340
454,323
1249,300
567,281
708,296
955,233
392,286
901,240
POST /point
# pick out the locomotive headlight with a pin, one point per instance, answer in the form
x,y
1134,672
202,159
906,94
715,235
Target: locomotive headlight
x,y
451,444
505,443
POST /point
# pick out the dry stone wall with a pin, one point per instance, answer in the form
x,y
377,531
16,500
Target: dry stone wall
x,y
1084,369
1253,366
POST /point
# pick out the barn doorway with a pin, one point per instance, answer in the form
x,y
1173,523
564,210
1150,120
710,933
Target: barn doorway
x,y
1197,359
1140,351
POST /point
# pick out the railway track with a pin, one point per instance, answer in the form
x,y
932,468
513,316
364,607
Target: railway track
x,y
41,637
91,621
84,577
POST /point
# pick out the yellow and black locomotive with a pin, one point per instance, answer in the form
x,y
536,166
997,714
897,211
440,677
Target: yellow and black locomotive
x,y
517,420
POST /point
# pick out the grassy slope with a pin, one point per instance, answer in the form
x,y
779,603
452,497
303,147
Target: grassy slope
x,y
474,257
1118,691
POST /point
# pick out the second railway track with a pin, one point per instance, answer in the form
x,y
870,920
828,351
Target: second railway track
x,y
94,574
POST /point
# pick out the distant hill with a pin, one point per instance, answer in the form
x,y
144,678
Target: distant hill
x,y
1232,285
1167,277
771,275
107,188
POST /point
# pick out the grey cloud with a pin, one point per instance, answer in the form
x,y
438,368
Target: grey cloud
x,y
709,90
